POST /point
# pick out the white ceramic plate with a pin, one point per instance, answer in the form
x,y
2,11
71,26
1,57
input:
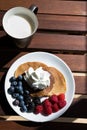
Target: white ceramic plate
x,y
50,60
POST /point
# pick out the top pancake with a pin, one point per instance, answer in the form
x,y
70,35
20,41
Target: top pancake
x,y
57,80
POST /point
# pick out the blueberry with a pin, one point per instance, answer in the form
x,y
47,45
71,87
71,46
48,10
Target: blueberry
x,y
14,83
31,107
20,98
37,100
28,99
19,83
20,77
16,102
12,79
11,90
23,109
19,89
21,103
26,92
15,95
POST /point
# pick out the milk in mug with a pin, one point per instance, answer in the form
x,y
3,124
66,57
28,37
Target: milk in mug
x,y
19,26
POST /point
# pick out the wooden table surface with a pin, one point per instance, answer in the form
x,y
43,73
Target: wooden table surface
x,y
62,31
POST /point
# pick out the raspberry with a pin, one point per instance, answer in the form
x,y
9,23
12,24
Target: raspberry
x,y
55,107
47,103
61,97
47,110
62,103
53,104
53,99
38,109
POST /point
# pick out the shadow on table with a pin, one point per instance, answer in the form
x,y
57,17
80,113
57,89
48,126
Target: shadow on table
x,y
7,110
7,42
7,50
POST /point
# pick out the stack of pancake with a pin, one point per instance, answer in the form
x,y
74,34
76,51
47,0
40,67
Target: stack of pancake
x,y
57,80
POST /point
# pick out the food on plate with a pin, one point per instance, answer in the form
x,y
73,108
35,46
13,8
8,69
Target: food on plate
x,y
47,80
33,81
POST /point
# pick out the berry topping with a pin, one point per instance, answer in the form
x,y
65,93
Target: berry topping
x,y
61,97
55,107
21,103
38,109
14,83
16,102
61,104
31,107
47,110
53,99
36,100
15,95
27,99
20,77
11,90
26,92
47,103
26,103
20,98
23,109
12,79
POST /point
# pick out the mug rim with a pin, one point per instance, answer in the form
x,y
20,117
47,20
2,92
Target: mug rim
x,y
28,14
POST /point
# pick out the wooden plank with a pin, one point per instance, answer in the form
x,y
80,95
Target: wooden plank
x,y
55,6
77,63
72,120
55,41
61,119
50,41
41,126
57,22
81,84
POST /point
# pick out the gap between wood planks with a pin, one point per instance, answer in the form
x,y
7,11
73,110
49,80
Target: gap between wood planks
x,y
79,74
60,119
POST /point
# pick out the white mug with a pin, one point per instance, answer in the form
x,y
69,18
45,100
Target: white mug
x,y
20,24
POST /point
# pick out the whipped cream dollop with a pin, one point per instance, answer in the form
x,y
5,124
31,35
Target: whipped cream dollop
x,y
37,79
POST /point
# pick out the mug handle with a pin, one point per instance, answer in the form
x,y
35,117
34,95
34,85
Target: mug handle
x,y
34,8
